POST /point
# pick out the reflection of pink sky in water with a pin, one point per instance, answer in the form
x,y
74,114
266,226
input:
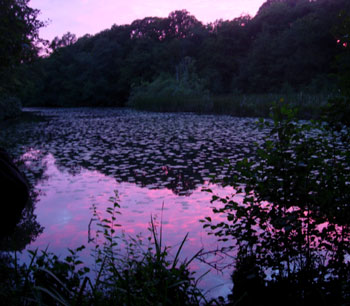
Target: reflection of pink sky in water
x,y
64,210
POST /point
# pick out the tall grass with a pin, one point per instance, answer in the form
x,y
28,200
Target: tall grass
x,y
259,105
161,96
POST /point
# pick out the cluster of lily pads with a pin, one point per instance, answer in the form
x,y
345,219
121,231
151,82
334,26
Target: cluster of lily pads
x,y
154,150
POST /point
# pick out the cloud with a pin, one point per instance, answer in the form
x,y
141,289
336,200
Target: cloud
x,y
91,16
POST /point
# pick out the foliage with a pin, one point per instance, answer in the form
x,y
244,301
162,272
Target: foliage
x,y
288,215
337,112
288,44
183,93
10,107
342,33
127,271
66,40
259,105
19,28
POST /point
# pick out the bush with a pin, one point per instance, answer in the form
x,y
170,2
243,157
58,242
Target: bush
x,y
288,216
10,107
166,94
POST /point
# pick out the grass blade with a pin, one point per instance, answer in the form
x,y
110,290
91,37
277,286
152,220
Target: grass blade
x,y
56,278
178,251
57,297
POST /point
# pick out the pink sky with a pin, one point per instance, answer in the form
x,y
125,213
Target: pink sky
x,y
92,16
66,223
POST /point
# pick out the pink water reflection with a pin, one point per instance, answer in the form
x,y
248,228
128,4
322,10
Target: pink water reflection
x,y
64,210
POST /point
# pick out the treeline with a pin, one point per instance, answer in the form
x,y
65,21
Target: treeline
x,y
289,46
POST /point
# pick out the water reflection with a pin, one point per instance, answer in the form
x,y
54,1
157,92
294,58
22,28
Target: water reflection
x,y
19,226
25,232
64,210
174,151
78,157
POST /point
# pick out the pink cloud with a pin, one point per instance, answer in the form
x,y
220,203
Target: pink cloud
x,y
91,16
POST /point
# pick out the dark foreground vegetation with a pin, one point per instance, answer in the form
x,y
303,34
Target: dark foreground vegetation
x,y
288,216
291,47
125,271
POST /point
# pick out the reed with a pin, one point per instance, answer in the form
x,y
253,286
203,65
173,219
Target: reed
x,y
259,105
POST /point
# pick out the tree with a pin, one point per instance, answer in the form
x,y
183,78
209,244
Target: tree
x,y
19,38
342,34
66,40
181,24
288,45
19,32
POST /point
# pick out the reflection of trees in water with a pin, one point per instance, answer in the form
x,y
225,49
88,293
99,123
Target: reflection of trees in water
x,y
25,226
152,150
181,180
33,164
134,146
25,232
124,145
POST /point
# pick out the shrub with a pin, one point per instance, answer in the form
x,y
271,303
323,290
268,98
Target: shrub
x,y
10,107
166,94
288,215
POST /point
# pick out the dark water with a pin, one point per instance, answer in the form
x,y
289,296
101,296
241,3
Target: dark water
x,y
78,157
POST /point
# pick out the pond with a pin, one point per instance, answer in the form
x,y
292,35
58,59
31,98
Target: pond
x,y
157,162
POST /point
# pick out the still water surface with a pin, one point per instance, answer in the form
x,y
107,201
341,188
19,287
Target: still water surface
x,y
78,157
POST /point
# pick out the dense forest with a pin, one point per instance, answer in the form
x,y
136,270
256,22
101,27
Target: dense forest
x,y
289,46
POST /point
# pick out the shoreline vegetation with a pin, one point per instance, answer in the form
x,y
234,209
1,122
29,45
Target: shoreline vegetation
x,y
310,106
291,48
